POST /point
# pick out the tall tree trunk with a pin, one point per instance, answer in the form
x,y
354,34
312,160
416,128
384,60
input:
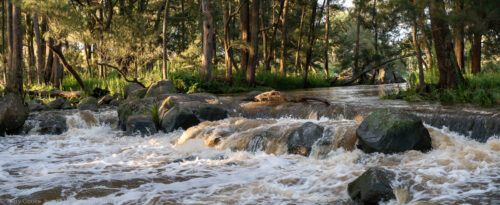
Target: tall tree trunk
x,y
444,49
254,37
264,10
15,72
356,48
284,35
310,40
327,44
31,52
183,27
57,72
476,53
38,49
48,60
62,60
417,51
299,42
88,57
165,15
270,53
459,40
227,42
3,75
428,52
245,26
374,22
208,44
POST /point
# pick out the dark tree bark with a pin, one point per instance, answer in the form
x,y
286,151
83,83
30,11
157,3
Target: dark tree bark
x,y
227,42
459,40
208,38
49,59
164,42
274,28
327,45
57,71
284,35
38,49
88,58
444,49
245,27
476,53
3,76
31,52
299,42
15,72
417,50
310,40
254,37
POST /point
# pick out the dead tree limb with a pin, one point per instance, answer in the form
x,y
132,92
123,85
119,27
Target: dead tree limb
x,y
122,73
67,66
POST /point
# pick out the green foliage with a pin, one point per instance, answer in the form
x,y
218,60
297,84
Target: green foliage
x,y
155,114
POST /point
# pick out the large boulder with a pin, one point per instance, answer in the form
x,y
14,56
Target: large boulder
x,y
134,107
129,88
35,105
390,130
160,87
58,103
372,187
13,113
52,124
140,124
178,117
137,94
301,140
88,103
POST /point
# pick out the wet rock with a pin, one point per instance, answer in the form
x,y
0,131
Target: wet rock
x,y
129,88
88,103
98,92
160,87
34,106
272,96
106,100
138,94
57,103
212,113
186,159
372,187
303,138
390,130
134,107
178,117
88,117
250,96
52,124
141,124
256,144
13,113
67,105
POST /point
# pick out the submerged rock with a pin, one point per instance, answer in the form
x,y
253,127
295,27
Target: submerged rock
x,y
13,113
129,88
52,124
372,187
391,130
141,124
303,138
160,87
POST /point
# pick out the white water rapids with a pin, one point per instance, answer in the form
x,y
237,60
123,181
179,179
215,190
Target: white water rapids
x,y
98,165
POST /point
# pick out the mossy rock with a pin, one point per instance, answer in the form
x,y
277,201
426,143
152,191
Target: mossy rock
x,y
88,101
160,87
138,94
134,107
390,130
372,187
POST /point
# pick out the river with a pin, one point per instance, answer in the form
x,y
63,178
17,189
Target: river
x,y
223,162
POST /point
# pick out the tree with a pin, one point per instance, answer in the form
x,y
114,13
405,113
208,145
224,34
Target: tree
x,y
327,44
15,63
254,42
165,16
284,35
38,49
208,40
417,47
245,27
310,41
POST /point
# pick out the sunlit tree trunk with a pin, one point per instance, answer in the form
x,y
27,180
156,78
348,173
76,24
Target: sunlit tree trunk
x,y
3,75
327,45
48,61
254,42
208,44
227,42
244,26
417,51
310,40
38,49
299,42
164,68
459,40
31,53
428,52
284,35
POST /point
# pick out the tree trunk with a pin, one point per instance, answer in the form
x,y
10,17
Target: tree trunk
x,y
417,51
428,52
442,43
327,45
476,53
57,72
245,26
356,49
270,53
38,50
284,35
459,40
183,27
208,38
3,75
88,58
68,67
299,42
164,68
254,37
227,42
374,22
31,52
15,72
48,61
310,41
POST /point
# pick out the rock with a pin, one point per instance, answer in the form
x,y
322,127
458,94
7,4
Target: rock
x,y
52,124
272,96
106,100
250,96
129,88
303,138
390,130
88,103
388,75
57,103
13,113
98,92
134,107
137,94
142,124
372,186
90,107
212,113
88,117
160,87
67,105
178,117
34,105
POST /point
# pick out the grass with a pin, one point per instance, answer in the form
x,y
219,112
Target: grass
x,y
481,89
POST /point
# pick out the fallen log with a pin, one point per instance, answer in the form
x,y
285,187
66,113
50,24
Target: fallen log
x,y
56,93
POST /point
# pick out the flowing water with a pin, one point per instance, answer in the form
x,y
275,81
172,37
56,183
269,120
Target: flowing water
x,y
236,161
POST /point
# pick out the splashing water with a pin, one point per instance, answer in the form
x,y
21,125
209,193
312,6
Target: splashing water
x,y
213,163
